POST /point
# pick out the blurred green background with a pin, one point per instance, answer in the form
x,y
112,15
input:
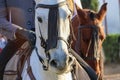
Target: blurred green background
x,y
90,4
111,48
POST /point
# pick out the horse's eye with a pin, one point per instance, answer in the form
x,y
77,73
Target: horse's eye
x,y
39,19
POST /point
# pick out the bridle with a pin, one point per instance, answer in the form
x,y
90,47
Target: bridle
x,y
93,42
46,44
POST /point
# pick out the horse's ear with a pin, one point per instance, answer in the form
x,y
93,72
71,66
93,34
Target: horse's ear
x,y
79,10
101,14
81,14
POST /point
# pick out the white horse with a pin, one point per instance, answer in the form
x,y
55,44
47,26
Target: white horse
x,y
60,61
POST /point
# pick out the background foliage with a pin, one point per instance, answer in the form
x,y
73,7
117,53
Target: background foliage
x,y
90,4
112,48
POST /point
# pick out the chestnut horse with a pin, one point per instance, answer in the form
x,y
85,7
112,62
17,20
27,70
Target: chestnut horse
x,y
89,34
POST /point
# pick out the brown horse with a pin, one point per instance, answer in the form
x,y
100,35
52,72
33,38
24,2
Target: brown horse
x,y
89,33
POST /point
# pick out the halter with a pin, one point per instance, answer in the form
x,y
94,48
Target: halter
x,y
51,42
92,42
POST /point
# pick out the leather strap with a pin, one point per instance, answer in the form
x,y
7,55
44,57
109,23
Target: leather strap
x,y
29,70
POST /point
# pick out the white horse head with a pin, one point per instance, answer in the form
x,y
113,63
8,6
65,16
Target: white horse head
x,y
57,59
60,59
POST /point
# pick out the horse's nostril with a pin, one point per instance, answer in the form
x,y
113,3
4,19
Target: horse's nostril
x,y
53,63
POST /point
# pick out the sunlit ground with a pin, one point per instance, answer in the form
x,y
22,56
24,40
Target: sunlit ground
x,y
112,71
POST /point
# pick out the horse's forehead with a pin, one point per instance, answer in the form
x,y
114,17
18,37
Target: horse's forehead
x,y
44,12
86,31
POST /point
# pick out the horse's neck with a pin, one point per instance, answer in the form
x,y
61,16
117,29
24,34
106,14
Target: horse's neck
x,y
50,2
